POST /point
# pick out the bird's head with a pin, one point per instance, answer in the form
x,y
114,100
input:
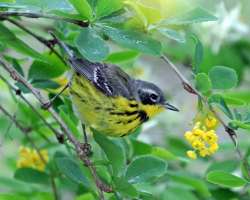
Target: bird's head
x,y
152,95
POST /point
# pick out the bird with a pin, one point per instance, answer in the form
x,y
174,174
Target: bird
x,y
109,100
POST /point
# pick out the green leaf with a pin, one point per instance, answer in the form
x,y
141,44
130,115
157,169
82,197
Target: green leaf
x,y
172,34
225,179
44,5
9,38
223,77
122,56
144,168
174,193
83,8
146,196
141,148
196,15
7,182
119,17
224,194
225,165
233,101
203,83
87,196
239,124
198,184
7,1
22,87
220,102
113,151
68,120
30,175
133,40
243,95
91,45
15,64
163,153
12,196
102,170
107,7
17,67
198,55
126,189
41,70
45,84
65,14
70,169
245,166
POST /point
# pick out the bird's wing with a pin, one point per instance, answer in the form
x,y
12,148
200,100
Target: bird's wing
x,y
110,79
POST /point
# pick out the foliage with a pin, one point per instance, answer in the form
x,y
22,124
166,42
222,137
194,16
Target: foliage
x,y
118,31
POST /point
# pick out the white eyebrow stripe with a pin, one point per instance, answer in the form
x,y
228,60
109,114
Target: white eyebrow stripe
x,y
148,90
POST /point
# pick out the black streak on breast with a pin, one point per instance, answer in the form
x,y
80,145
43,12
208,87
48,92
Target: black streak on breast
x,y
143,116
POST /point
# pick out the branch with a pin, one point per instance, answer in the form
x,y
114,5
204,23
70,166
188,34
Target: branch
x,y
80,23
59,135
189,88
48,43
25,130
77,145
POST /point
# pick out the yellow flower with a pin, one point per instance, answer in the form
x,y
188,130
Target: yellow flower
x,y
40,166
189,136
198,132
191,154
31,158
210,137
23,163
197,144
23,151
213,148
204,152
210,122
202,139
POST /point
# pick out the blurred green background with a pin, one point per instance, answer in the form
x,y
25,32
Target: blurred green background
x,y
226,42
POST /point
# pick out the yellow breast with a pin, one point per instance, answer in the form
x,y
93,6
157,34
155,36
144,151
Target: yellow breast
x,y
113,116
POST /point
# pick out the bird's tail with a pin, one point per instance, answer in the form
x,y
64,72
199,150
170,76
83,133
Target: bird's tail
x,y
80,65
66,49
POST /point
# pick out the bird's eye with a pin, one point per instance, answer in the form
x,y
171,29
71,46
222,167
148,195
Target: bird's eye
x,y
154,97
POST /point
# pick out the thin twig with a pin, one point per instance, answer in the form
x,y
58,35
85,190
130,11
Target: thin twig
x,y
189,88
78,146
54,188
26,130
41,15
59,135
48,43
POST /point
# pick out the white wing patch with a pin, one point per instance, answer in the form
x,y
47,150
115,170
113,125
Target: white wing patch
x,y
101,82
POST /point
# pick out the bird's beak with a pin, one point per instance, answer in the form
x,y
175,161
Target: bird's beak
x,y
170,107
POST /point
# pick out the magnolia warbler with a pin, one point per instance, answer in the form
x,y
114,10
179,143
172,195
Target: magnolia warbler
x,y
107,99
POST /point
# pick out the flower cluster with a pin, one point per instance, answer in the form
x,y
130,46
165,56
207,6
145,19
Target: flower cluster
x,y
31,158
203,138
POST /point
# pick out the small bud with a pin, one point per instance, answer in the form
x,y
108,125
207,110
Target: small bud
x,y
210,122
191,154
